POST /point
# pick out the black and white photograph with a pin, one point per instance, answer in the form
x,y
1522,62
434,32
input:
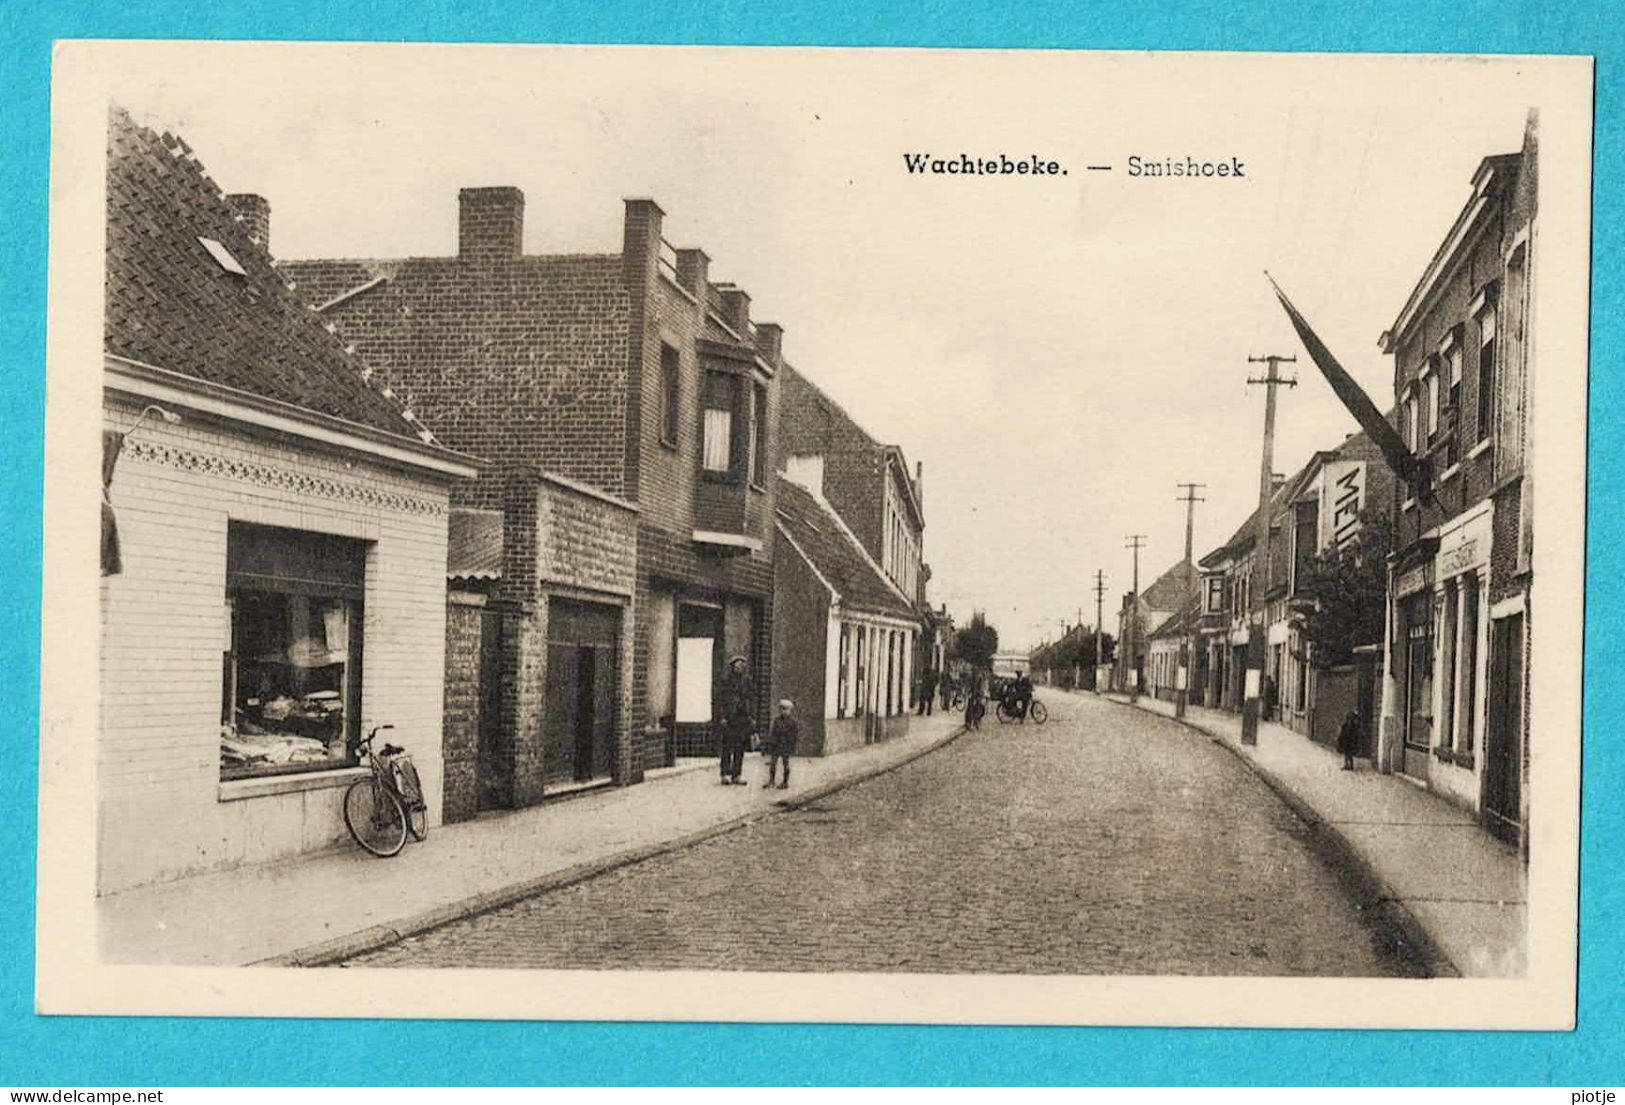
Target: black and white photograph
x,y
814,535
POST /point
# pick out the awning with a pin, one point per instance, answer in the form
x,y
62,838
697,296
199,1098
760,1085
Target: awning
x,y
474,544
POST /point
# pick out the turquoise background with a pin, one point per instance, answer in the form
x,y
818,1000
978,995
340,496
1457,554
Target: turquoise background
x,y
85,1051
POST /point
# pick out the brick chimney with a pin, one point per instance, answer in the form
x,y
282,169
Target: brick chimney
x,y
490,224
640,241
769,342
736,309
255,211
693,272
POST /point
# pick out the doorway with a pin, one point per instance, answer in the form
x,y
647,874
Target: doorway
x,y
698,664
1419,701
582,692
1503,766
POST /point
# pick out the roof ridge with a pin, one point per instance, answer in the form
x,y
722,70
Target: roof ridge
x,y
287,311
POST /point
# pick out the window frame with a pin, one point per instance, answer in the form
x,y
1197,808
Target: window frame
x,y
671,384
274,563
1489,347
758,461
734,471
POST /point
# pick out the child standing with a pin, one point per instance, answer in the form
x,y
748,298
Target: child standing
x,y
781,742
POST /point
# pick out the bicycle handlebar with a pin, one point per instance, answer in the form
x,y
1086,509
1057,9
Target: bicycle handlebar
x,y
366,742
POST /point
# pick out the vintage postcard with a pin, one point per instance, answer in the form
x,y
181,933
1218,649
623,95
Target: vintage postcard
x,y
814,535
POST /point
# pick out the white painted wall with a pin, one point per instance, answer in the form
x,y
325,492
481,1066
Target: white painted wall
x,y
164,812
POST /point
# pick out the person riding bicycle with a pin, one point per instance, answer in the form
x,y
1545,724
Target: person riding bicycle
x,y
1019,695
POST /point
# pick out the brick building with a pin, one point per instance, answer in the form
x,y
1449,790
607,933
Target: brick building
x,y
627,406
844,630
274,542
1455,691
1318,508
1149,610
869,485
1323,507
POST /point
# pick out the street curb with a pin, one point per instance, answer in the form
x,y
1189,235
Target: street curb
x,y
1370,890
371,939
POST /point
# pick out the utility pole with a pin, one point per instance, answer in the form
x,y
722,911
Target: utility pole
x,y
1187,647
1136,541
1100,594
1077,668
1253,686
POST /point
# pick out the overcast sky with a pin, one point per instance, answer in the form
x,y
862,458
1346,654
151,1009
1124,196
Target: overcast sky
x,y
1059,352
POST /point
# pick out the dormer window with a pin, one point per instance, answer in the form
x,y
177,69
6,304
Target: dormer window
x,y
222,257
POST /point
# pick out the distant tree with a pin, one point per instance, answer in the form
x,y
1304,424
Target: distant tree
x,y
1349,588
976,643
1072,658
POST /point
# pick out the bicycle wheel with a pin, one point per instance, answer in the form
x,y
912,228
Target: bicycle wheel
x,y
374,817
1002,712
410,789
1038,712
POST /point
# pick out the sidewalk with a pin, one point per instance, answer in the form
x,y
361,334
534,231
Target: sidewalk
x,y
1465,888
320,907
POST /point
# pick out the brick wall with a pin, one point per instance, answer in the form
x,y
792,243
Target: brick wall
x,y
460,735
1475,476
164,625
510,360
810,422
588,549
800,644
1504,579
668,474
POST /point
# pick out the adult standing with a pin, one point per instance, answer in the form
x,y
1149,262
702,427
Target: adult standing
x,y
1348,739
928,694
735,720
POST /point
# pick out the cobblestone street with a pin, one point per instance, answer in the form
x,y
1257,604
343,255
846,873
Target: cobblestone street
x,y
1105,842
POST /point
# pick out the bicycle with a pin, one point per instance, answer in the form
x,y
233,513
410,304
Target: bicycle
x,y
380,809
1035,710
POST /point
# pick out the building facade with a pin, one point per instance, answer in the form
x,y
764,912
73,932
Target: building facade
x,y
843,648
274,542
1140,616
1323,508
627,405
878,500
1455,688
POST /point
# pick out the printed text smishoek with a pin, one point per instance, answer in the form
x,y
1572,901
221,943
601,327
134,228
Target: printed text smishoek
x,y
923,164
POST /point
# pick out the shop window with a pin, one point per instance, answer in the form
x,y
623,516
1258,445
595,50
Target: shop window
x,y
672,393
291,684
